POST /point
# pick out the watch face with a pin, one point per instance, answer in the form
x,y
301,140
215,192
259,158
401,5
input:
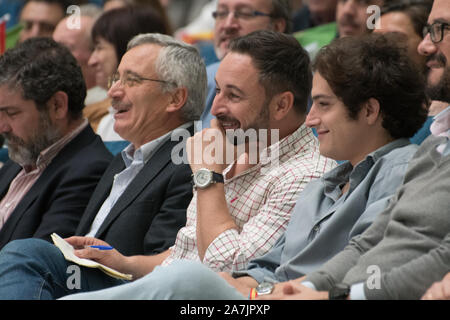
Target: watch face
x,y
264,288
203,178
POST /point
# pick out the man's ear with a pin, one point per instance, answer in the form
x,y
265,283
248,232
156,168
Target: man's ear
x,y
372,111
282,103
178,99
58,105
279,25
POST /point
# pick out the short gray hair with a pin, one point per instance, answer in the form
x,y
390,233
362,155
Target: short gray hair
x,y
180,65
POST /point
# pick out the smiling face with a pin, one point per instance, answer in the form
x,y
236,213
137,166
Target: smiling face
x,y
140,105
230,28
438,54
104,61
240,101
340,137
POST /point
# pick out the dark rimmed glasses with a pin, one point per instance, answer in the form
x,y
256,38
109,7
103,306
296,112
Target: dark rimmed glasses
x,y
436,31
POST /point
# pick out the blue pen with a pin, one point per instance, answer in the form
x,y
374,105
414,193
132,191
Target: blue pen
x,y
102,247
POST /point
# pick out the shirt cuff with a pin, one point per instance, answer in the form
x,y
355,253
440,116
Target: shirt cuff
x,y
357,292
309,284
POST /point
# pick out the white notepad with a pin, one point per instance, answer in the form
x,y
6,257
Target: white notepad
x,y
68,252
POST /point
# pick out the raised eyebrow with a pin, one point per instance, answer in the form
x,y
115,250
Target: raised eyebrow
x,y
321,96
438,20
132,73
230,86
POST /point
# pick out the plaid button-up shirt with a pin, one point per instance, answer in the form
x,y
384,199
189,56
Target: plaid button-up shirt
x,y
260,201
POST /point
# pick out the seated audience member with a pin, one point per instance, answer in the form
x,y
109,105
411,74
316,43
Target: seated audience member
x,y
40,17
110,34
271,15
140,203
353,18
239,210
56,160
315,13
367,124
408,18
78,40
408,246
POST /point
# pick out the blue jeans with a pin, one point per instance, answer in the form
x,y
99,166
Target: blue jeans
x,y
35,269
182,280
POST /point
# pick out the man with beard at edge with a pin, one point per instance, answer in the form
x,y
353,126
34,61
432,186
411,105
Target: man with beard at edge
x,y
56,160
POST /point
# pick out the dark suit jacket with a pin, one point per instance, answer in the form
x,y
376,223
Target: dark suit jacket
x,y
147,216
57,200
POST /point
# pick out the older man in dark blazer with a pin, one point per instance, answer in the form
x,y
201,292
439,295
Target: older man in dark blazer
x,y
140,202
56,158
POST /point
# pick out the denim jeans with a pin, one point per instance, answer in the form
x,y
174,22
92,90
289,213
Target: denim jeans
x,y
35,269
182,280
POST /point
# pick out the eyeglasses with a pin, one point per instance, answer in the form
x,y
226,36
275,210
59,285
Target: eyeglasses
x,y
436,31
240,14
130,79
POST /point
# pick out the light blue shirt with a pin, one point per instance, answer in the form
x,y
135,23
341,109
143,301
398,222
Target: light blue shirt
x,y
134,162
323,221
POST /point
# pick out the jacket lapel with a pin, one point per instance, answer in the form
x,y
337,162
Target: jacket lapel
x,y
67,152
151,169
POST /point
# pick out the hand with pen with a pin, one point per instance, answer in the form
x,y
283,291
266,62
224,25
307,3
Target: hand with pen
x,y
99,251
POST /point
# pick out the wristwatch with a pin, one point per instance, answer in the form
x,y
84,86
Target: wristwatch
x,y
264,288
339,292
203,178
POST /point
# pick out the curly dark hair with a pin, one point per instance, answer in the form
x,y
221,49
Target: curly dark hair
x,y
375,66
282,63
40,67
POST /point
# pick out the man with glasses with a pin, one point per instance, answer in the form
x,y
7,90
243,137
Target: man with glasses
x,y
140,201
235,18
407,248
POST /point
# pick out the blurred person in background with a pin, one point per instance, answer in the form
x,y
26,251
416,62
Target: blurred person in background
x,y
78,41
40,17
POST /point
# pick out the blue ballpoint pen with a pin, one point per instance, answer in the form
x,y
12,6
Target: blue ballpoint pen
x,y
102,247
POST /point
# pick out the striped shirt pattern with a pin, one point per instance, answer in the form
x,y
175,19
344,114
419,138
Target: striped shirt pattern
x,y
260,201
